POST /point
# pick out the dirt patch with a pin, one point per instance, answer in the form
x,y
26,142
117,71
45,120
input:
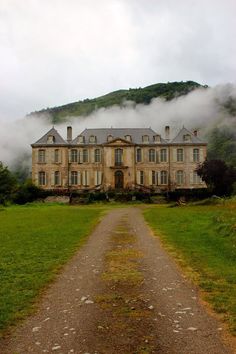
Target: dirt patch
x,y
120,294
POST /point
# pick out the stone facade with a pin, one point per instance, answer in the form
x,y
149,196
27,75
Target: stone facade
x,y
106,159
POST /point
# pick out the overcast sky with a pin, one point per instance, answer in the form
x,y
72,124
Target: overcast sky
x,y
54,52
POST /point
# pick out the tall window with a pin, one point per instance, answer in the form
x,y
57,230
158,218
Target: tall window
x,y
163,177
56,156
196,179
196,155
138,155
153,177
180,155
74,155
163,155
118,157
180,177
41,156
85,155
74,177
97,155
141,177
151,155
42,178
57,178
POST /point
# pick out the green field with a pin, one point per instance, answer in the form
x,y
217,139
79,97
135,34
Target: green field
x,y
35,241
203,240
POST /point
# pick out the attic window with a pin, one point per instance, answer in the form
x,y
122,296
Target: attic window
x,y
157,138
145,139
92,139
80,139
50,139
128,137
187,137
109,137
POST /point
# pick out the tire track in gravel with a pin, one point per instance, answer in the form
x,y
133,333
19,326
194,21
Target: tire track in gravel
x,y
121,293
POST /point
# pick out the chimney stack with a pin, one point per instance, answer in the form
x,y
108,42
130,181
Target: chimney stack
x,y
167,132
195,132
69,134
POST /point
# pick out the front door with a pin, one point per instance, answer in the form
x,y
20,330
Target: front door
x,y
119,179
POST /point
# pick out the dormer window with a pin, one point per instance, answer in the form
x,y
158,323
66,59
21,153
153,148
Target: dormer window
x,y
187,137
80,139
145,139
128,137
109,137
92,139
157,138
50,139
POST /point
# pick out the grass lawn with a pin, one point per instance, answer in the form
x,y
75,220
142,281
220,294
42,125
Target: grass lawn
x,y
203,240
35,241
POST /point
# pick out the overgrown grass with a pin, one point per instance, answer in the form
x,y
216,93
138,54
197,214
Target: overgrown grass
x,y
203,239
35,241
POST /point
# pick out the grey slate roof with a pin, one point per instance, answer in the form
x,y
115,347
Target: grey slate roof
x,y
58,140
179,139
102,134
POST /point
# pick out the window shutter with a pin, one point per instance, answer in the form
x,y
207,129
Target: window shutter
x,y
157,178
91,153
70,178
167,154
81,156
201,155
150,177
174,155
138,177
99,177
36,179
46,178
59,178
184,177
52,159
60,156
88,178
191,178
96,178
79,177
69,152
191,155
88,154
52,179
142,155
83,178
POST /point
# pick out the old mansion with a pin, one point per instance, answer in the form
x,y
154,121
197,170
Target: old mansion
x,y
112,158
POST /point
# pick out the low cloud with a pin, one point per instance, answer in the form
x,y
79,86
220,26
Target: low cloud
x,y
201,109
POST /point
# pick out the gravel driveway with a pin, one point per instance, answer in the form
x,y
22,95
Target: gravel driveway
x,y
121,293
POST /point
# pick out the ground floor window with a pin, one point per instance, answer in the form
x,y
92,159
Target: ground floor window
x,y
141,177
74,177
163,177
180,177
153,177
196,179
42,178
57,178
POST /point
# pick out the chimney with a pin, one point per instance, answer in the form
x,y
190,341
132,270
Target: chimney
x,y
69,134
195,132
167,132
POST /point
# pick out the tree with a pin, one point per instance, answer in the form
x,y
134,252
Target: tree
x,y
219,177
7,184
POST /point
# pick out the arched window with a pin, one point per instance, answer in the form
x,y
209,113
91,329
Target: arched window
x,y
151,155
118,157
97,155
74,155
180,177
138,155
180,155
163,177
163,155
41,156
42,178
196,155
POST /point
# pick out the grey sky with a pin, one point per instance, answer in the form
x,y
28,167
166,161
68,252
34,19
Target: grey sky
x,y
58,51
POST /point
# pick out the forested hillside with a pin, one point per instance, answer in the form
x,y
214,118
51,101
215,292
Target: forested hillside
x,y
144,95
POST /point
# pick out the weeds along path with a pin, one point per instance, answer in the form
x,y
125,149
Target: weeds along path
x,y
120,294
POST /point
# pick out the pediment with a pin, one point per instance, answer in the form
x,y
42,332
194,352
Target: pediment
x,y
119,142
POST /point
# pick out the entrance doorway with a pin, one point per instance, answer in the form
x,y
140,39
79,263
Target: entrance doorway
x,y
119,179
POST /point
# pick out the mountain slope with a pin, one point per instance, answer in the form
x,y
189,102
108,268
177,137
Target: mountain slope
x,y
144,95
